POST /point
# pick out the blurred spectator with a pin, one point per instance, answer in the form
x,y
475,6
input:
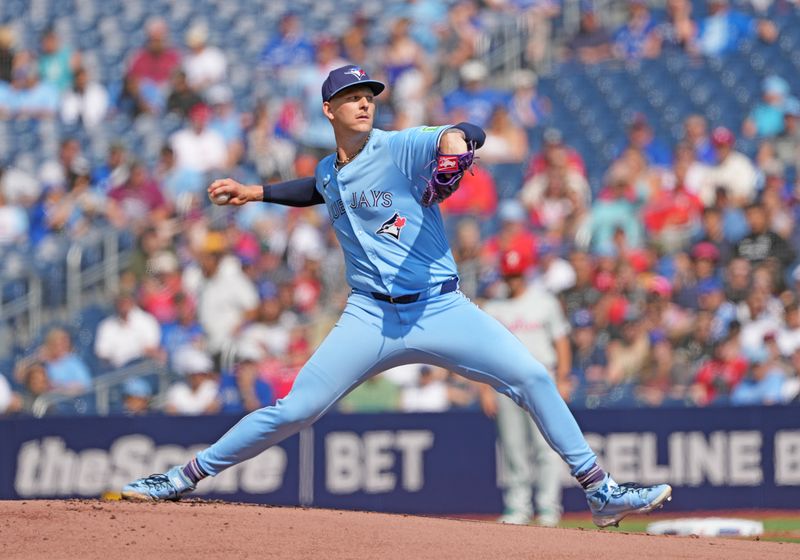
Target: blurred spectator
x,y
555,273
13,223
198,148
6,52
160,286
787,143
35,383
679,31
156,61
182,187
660,372
760,316
227,121
473,101
514,235
788,336
589,373
29,97
129,100
288,48
614,211
460,38
629,350
506,142
57,63
204,65
766,118
467,254
136,397
430,395
243,390
198,393
184,330
86,103
376,394
763,384
722,29
226,298
10,402
66,371
553,149
272,156
354,42
593,42
127,335
642,138
583,294
268,335
639,36
538,17
138,201
19,186
408,73
734,172
762,243
182,98
695,133
557,198
527,107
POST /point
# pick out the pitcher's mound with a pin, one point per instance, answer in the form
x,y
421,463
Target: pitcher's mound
x,y
94,529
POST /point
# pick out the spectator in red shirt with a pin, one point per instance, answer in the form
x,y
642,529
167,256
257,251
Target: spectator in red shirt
x,y
138,201
718,376
156,61
514,235
553,147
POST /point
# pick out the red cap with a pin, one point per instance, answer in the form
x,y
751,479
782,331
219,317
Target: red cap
x,y
200,111
661,286
722,136
512,264
705,250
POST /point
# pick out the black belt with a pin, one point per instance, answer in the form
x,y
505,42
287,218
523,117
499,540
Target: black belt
x,y
445,288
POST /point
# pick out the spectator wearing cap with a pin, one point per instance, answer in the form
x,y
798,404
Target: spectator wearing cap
x,y
129,334
661,314
553,150
639,37
787,143
226,298
762,243
614,211
514,235
205,65
197,147
734,172
767,117
136,397
242,390
197,393
593,42
723,29
713,232
473,101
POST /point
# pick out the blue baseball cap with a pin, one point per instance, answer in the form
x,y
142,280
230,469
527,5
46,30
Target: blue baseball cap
x,y
582,318
348,76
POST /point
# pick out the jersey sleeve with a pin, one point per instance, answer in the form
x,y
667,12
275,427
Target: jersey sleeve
x,y
414,149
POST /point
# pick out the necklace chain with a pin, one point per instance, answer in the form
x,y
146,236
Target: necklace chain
x,y
341,163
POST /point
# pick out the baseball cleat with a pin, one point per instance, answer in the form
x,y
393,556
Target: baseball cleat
x,y
612,502
159,487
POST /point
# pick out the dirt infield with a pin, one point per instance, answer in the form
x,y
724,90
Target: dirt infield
x,y
199,530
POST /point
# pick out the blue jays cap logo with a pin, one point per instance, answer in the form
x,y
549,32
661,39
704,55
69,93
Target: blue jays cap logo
x,y
348,76
392,226
357,73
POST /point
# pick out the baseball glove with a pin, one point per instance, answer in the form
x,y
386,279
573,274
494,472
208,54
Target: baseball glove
x,y
449,170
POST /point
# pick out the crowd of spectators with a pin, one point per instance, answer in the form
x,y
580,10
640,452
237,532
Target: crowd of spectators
x,y
679,275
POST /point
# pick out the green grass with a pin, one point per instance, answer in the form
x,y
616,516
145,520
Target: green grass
x,y
777,528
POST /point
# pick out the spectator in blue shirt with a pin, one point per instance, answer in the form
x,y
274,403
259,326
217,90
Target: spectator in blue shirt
x,y
642,138
473,101
721,31
639,37
243,390
185,330
66,371
290,47
766,118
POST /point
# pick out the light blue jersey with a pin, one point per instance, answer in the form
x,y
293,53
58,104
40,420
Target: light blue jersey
x,y
392,244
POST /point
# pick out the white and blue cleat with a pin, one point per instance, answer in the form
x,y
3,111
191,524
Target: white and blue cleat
x,y
612,502
169,486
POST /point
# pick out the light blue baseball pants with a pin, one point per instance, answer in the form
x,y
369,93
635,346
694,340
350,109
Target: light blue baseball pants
x,y
372,336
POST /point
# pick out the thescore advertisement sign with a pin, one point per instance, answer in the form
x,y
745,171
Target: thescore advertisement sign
x,y
715,458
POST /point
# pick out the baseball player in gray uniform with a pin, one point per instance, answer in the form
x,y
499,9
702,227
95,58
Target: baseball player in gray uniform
x,y
534,316
382,191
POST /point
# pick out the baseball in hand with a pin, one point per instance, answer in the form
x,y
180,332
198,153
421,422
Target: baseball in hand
x,y
221,199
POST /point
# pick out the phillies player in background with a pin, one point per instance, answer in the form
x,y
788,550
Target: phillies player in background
x,y
405,306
